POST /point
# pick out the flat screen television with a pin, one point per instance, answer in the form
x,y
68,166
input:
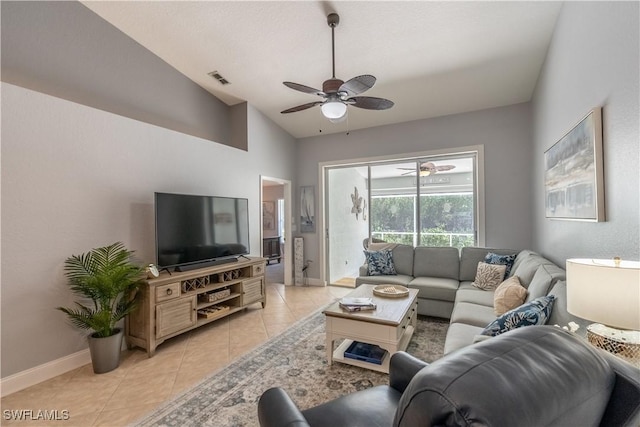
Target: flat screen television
x,y
194,231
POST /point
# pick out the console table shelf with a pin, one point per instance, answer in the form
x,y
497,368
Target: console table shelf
x,y
175,303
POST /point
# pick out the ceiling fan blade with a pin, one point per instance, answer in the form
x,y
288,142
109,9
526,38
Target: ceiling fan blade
x,y
445,167
303,88
301,107
357,84
370,102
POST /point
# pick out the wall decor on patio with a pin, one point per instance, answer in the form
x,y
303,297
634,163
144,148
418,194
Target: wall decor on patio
x,y
357,202
573,178
307,209
269,215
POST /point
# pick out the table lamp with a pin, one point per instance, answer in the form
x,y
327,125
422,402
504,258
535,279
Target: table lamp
x,y
608,293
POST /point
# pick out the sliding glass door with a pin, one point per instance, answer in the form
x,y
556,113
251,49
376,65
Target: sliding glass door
x,y
422,201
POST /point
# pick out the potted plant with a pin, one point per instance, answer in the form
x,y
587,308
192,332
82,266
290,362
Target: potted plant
x,y
108,277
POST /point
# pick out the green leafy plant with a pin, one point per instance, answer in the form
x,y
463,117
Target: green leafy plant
x,y
108,277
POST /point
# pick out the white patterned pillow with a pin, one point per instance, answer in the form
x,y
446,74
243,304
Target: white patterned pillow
x,y
380,263
489,276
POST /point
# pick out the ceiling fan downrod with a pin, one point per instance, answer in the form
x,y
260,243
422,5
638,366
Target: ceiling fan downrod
x,y
333,19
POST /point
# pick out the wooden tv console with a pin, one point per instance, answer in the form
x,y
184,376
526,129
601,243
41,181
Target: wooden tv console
x,y
179,302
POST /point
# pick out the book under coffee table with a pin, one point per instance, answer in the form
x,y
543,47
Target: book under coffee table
x,y
390,326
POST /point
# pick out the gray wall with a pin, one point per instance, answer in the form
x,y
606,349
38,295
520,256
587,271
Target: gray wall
x,y
92,125
505,133
65,50
75,178
593,60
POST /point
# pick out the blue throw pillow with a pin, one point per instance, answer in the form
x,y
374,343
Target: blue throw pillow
x,y
380,263
507,260
535,312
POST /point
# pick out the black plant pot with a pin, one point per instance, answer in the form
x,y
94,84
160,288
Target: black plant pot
x,y
105,352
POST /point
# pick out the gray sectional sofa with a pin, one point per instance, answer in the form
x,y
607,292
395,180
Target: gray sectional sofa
x,y
443,277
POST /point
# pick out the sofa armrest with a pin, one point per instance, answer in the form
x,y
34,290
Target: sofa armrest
x,y
402,368
364,269
275,408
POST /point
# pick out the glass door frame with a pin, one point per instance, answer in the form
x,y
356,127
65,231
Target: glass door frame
x,y
324,167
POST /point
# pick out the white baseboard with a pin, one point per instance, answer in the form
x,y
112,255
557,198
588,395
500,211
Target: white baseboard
x,y
315,282
24,379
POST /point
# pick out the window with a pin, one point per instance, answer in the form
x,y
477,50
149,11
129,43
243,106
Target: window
x,y
426,202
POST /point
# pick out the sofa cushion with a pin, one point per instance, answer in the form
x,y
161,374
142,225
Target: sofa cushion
x,y
380,263
403,259
525,266
469,293
471,256
546,275
437,288
494,258
472,314
509,295
398,279
489,276
436,262
460,335
533,313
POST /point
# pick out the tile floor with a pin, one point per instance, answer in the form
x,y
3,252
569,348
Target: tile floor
x,y
140,384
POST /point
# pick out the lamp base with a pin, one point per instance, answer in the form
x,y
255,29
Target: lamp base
x,y
622,343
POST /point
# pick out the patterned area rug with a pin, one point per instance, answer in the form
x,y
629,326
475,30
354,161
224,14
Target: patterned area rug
x,y
294,360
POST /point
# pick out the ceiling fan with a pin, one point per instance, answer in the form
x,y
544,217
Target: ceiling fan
x,y
428,168
338,94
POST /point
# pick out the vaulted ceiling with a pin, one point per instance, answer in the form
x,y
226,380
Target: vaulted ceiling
x,y
431,58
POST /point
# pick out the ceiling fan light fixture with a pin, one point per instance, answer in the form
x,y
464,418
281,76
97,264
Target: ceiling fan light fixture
x,y
425,172
334,110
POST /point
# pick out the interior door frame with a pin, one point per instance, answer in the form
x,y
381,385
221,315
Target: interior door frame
x,y
288,243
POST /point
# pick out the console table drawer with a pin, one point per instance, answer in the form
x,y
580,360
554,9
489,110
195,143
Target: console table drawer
x,y
168,292
257,270
409,318
252,290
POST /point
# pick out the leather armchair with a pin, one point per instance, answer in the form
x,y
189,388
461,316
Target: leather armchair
x,y
532,376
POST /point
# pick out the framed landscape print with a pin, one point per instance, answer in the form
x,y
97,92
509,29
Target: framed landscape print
x,y
573,174
307,210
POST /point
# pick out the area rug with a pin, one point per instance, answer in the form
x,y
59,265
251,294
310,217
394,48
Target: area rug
x,y
294,360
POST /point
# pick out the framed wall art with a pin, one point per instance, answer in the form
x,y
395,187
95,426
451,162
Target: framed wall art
x,y
268,215
573,174
307,210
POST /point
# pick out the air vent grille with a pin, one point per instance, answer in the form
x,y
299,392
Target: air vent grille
x,y
216,75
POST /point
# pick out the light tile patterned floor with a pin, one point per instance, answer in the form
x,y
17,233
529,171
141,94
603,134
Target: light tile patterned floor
x,y
140,384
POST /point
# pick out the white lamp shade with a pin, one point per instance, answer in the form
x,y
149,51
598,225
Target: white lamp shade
x,y
334,109
602,292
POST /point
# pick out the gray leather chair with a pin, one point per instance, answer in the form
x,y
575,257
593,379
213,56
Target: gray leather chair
x,y
532,376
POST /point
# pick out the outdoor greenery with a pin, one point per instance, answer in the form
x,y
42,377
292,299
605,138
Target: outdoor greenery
x,y
394,219
108,278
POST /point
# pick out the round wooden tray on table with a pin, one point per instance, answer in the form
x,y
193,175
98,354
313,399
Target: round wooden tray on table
x,y
391,291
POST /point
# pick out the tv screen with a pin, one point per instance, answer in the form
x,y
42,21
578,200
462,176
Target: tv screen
x,y
196,229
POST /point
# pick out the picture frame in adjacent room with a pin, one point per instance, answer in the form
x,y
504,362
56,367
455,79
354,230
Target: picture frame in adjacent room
x,y
268,215
573,174
307,209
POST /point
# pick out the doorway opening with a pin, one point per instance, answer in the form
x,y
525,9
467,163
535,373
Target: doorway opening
x,y
275,202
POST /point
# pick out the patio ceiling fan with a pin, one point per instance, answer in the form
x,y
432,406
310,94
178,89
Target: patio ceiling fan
x,y
428,168
339,94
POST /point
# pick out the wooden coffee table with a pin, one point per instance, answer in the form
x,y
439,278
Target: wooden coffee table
x,y
390,326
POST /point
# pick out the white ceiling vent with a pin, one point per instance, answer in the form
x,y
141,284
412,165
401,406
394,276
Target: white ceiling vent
x,y
216,75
